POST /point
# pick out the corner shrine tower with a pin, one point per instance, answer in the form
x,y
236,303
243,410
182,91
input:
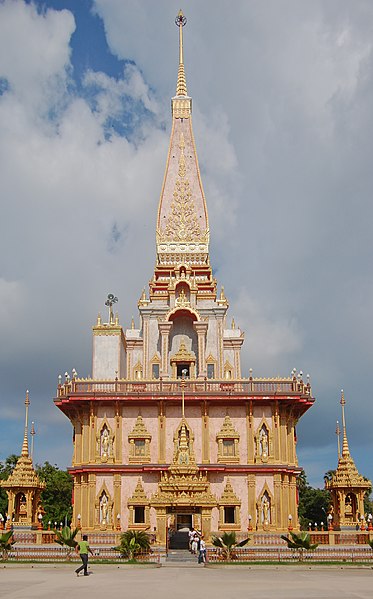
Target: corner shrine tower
x,y
168,433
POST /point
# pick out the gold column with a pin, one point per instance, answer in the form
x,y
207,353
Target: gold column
x,y
77,459
251,498
91,500
284,509
206,523
250,432
119,434
117,507
161,433
145,366
293,500
276,434
161,525
277,500
283,439
92,433
164,329
220,363
84,501
85,440
205,421
290,439
77,509
201,330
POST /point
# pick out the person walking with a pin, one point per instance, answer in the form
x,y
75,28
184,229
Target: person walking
x,y
82,548
202,551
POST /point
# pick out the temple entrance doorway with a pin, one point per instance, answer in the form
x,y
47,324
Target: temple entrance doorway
x,y
179,538
184,521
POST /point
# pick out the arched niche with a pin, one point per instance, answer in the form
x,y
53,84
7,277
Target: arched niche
x,y
263,442
265,509
105,442
104,509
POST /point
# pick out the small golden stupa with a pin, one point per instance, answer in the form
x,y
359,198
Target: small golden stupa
x,y
24,487
347,487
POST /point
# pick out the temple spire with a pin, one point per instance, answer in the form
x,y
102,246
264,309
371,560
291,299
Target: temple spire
x,y
24,451
345,448
338,432
181,87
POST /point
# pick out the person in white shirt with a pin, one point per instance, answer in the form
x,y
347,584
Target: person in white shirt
x,y
191,535
202,551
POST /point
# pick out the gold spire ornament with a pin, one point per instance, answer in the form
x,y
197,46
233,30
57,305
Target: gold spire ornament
x,y
345,448
347,487
24,451
181,86
32,433
23,486
338,433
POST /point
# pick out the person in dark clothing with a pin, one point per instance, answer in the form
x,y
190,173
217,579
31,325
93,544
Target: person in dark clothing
x,y
83,548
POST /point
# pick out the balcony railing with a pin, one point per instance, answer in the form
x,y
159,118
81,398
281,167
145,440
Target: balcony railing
x,y
195,387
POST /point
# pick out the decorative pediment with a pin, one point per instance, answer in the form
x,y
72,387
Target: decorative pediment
x,y
183,355
227,431
139,431
139,439
347,476
139,496
183,488
23,476
229,497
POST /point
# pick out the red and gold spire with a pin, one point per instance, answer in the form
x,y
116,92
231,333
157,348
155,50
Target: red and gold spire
x,y
182,223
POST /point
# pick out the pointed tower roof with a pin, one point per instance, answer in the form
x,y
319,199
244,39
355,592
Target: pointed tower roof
x,y
182,224
24,476
346,475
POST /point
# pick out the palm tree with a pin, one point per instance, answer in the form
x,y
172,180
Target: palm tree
x,y
133,542
300,542
6,542
66,537
227,543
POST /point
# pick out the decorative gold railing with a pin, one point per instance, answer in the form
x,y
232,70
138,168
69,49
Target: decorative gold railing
x,y
195,387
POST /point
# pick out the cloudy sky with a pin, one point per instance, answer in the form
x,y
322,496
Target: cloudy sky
x,y
282,98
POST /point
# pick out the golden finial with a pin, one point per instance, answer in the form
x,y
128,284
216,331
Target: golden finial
x,y
116,319
98,319
132,323
24,451
111,300
32,433
338,432
181,87
345,448
233,325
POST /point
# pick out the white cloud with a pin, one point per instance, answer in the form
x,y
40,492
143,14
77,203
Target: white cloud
x,y
282,95
35,52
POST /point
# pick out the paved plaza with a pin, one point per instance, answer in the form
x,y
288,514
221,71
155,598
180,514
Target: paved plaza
x,y
184,582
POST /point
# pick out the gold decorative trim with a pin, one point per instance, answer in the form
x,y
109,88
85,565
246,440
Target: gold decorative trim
x,y
228,434
139,454
229,499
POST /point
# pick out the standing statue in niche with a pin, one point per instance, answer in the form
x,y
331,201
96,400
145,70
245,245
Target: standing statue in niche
x,y
265,510
105,442
263,442
103,509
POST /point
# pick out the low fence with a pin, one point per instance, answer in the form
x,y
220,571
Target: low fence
x,y
283,554
61,554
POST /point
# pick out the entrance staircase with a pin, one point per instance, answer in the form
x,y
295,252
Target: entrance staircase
x,y
180,557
